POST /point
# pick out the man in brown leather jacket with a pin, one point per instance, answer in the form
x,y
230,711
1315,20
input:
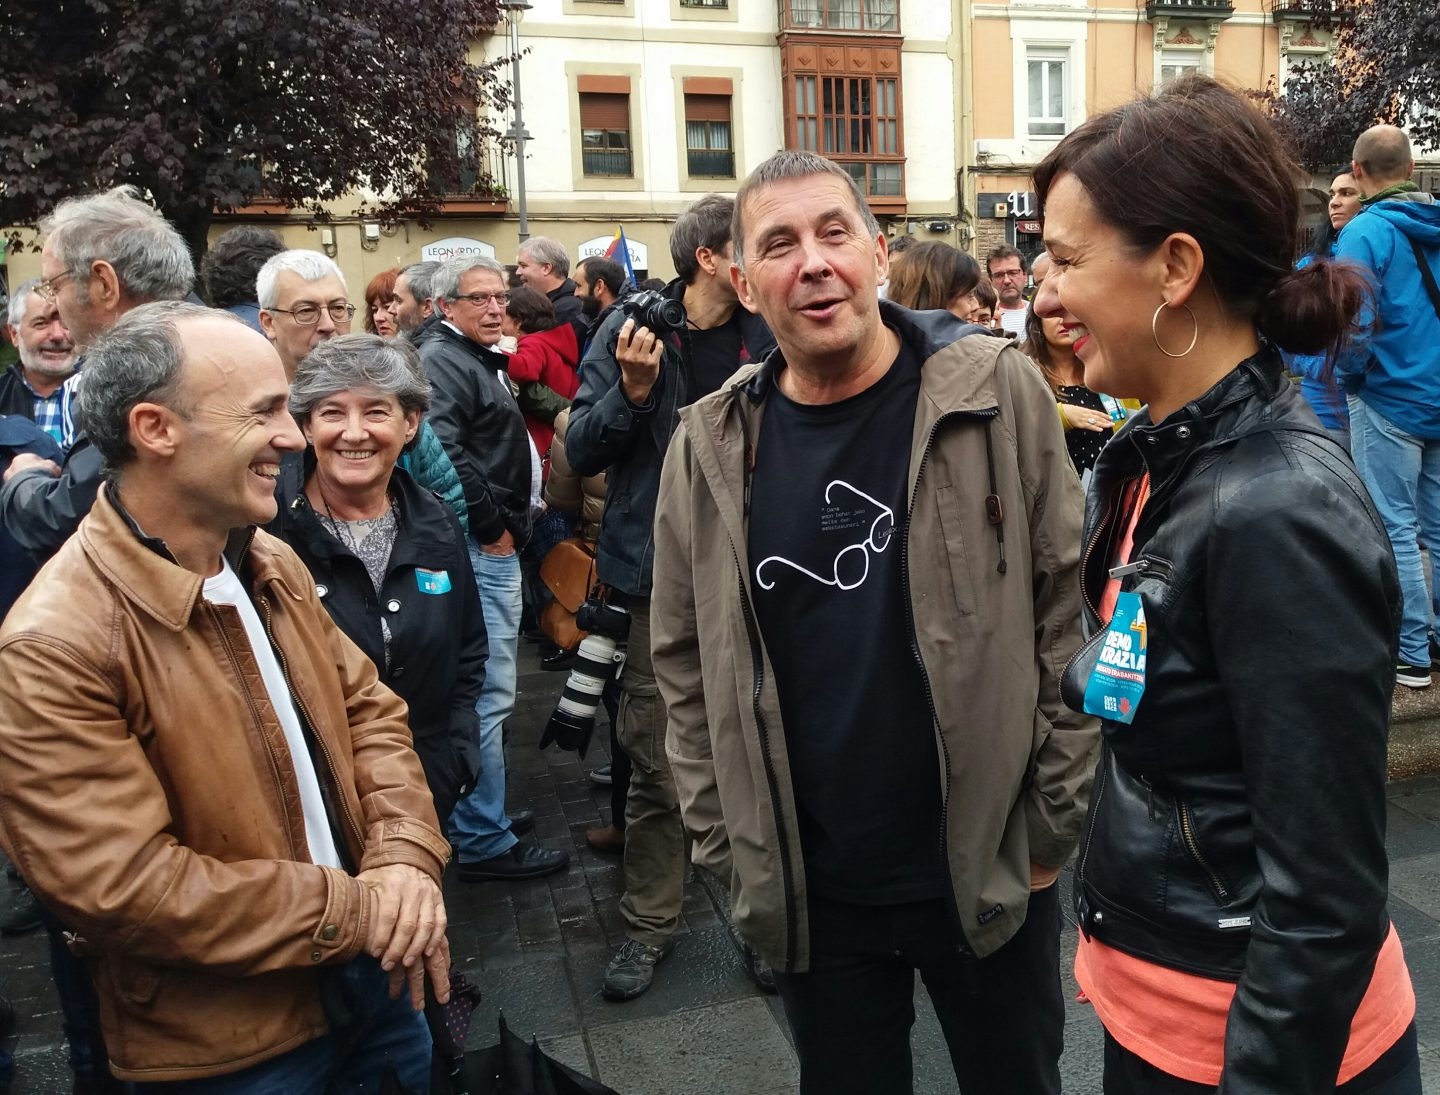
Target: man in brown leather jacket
x,y
199,773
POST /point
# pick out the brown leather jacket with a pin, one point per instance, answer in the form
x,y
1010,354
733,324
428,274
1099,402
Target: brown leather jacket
x,y
147,795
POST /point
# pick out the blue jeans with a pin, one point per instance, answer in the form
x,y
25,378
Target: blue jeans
x,y
1402,473
350,1060
479,826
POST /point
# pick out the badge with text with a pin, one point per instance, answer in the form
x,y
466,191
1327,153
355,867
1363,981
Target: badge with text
x,y
432,581
1114,408
1118,680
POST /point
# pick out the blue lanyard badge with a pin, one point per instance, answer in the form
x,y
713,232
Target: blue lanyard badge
x,y
432,581
1114,408
1118,680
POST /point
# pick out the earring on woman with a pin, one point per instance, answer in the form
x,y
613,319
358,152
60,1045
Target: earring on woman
x,y
1155,333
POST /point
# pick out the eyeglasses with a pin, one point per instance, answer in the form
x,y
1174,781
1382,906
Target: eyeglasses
x,y
307,315
482,300
998,274
49,288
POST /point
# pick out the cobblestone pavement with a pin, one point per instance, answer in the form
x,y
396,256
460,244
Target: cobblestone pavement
x,y
537,949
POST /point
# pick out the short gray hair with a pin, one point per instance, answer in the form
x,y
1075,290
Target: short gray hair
x,y
420,276
19,301
149,256
309,265
547,251
138,360
704,224
445,284
789,164
348,362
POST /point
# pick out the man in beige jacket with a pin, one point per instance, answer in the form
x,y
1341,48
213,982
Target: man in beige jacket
x,y
866,588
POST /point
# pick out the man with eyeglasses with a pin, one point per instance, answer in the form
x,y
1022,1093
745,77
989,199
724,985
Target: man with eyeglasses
x,y
104,254
475,414
303,301
1006,267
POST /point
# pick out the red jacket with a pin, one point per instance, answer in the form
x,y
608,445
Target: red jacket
x,y
551,358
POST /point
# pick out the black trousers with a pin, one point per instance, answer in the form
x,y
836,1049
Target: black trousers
x,y
851,1014
1397,1072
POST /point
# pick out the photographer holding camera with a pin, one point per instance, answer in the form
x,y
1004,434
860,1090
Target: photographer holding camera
x,y
635,378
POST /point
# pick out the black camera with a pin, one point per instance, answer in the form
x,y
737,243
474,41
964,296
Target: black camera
x,y
656,311
598,661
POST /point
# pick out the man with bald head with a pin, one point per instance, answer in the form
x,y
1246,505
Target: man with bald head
x,y
1391,372
222,804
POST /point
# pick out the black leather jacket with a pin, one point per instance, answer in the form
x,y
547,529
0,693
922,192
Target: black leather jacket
x,y
436,659
474,413
1237,826
609,434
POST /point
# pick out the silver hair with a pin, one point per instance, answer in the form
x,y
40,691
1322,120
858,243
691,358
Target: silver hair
x,y
349,362
149,257
19,301
789,164
545,250
445,285
309,265
419,277
138,360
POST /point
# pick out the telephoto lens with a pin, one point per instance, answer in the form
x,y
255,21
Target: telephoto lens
x,y
597,662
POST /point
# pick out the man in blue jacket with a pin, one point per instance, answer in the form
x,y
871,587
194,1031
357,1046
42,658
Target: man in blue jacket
x,y
1391,371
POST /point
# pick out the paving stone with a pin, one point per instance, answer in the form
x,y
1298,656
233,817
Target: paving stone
x,y
570,1051
1417,881
535,998
1407,833
724,1049
1411,924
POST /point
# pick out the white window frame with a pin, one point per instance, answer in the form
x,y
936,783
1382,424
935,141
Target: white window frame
x,y
1059,35
1196,57
1048,56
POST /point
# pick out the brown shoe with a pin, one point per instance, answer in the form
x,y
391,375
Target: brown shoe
x,y
606,839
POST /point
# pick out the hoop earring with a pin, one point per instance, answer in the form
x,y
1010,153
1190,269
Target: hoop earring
x,y
1155,333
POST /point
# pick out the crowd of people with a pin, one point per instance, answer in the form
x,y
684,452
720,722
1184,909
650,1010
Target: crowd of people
x,y
924,590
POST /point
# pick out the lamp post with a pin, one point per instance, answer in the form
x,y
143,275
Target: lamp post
x,y
514,11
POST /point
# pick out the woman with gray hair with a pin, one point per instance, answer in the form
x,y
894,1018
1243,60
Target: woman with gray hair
x,y
388,557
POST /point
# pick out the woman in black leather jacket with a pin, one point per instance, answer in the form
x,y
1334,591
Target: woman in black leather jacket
x,y
388,557
1243,609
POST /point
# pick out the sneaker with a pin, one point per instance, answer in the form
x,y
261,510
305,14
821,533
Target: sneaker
x,y
601,776
606,839
631,969
521,861
1412,676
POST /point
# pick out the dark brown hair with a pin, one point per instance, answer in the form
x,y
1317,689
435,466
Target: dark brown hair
x,y
1039,349
931,275
1198,158
531,310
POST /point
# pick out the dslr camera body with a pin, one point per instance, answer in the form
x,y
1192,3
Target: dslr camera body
x,y
656,311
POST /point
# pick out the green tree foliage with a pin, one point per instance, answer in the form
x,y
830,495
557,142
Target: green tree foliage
x,y
208,104
1386,68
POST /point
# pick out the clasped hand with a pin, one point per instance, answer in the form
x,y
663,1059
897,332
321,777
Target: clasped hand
x,y
407,930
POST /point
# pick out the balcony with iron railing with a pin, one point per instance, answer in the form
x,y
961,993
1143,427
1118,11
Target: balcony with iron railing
x,y
1321,12
1189,9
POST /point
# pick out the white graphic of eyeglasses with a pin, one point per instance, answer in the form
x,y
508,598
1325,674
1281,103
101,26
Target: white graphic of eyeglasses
x,y
882,531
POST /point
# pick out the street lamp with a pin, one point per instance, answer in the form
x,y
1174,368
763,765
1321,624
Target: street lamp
x,y
515,11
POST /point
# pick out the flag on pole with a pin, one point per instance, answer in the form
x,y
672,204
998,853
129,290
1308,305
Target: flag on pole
x,y
619,251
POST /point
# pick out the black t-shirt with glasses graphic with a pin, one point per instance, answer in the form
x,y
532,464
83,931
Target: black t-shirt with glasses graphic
x,y
828,506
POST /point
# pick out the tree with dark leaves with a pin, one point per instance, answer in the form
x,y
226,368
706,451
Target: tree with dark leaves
x,y
210,104
1385,68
